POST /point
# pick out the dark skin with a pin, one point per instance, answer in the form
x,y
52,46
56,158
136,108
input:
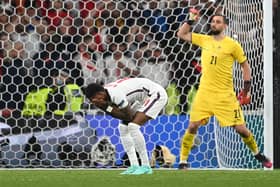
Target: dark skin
x,y
101,100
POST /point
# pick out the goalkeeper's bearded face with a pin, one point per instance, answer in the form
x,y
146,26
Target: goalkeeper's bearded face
x,y
217,25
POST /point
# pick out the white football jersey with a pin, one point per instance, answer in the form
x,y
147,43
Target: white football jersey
x,y
128,90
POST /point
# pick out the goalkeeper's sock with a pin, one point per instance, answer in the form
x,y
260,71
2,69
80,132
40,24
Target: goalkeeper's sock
x,y
128,145
251,143
139,143
186,146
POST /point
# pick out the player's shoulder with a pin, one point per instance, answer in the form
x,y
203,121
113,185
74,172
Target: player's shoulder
x,y
201,35
140,80
115,93
231,40
150,83
231,43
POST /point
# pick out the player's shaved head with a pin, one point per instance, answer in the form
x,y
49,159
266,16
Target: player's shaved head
x,y
92,89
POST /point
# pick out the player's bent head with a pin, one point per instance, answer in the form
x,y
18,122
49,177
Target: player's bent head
x,y
92,89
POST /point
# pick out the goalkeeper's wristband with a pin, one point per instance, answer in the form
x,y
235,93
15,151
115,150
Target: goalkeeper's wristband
x,y
247,86
190,22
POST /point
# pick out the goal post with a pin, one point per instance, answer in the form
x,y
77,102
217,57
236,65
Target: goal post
x,y
268,77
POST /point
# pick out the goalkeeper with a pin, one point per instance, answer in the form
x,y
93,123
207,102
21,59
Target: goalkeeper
x,y
215,95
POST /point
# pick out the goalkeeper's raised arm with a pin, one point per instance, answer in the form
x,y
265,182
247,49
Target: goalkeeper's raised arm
x,y
184,31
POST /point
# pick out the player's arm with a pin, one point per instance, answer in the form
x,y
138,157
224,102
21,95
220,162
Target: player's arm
x,y
239,55
184,32
246,77
244,96
124,114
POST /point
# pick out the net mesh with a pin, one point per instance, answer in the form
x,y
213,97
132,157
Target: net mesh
x,y
102,41
246,26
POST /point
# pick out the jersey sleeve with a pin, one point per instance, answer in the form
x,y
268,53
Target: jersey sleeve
x,y
119,99
238,53
197,39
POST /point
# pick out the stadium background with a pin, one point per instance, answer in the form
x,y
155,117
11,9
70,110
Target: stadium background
x,y
88,37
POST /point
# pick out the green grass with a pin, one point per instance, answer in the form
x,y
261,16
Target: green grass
x,y
160,178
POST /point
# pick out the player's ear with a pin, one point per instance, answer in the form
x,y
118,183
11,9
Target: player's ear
x,y
225,26
226,20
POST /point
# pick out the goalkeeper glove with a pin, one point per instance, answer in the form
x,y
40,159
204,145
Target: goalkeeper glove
x,y
193,16
244,98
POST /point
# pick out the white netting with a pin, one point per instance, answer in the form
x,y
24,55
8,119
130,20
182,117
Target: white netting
x,y
101,41
246,26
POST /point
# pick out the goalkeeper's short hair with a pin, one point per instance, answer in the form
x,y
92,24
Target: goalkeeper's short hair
x,y
226,20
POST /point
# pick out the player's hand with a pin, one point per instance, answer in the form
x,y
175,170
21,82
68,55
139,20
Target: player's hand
x,y
193,16
244,98
100,103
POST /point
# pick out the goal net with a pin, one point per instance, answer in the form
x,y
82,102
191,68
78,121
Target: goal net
x,y
250,34
102,41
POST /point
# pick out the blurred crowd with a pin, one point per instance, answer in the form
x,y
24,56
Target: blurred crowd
x,y
97,41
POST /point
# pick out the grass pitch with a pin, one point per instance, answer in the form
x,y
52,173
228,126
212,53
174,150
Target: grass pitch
x,y
160,178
